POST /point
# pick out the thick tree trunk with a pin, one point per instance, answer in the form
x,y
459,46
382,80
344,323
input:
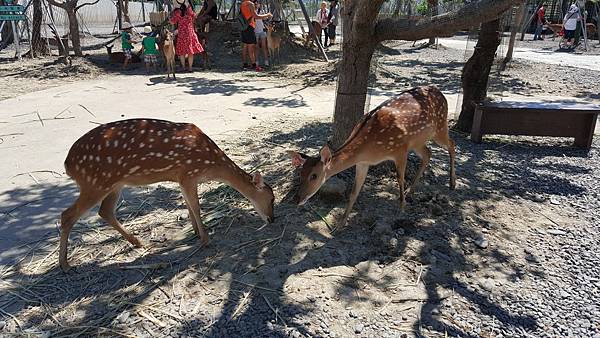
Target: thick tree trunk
x,y
126,11
74,28
476,73
276,8
38,47
353,81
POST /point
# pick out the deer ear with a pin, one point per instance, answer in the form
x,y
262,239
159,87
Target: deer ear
x,y
258,180
297,158
326,155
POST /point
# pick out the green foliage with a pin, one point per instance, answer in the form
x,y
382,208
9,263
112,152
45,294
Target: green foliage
x,y
423,8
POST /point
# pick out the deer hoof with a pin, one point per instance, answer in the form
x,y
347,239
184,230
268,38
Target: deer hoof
x,y
136,242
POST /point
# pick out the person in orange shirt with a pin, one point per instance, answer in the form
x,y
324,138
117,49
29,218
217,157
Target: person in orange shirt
x,y
248,11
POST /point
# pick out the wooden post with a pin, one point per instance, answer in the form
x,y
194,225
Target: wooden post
x,y
312,30
143,12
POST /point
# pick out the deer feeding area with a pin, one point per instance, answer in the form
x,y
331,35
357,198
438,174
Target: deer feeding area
x,y
512,251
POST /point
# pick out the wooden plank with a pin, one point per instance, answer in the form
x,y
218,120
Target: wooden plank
x,y
562,106
533,123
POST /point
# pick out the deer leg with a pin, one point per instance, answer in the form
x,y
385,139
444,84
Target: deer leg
x,y
400,171
68,218
190,194
107,212
359,181
425,154
444,141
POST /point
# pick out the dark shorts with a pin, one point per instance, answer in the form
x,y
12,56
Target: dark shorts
x,y
331,31
248,36
569,34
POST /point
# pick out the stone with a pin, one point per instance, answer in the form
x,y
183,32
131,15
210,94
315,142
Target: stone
x,y
122,318
333,188
481,242
359,328
2,324
556,232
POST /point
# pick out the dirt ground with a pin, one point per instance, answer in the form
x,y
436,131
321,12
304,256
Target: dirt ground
x,y
493,258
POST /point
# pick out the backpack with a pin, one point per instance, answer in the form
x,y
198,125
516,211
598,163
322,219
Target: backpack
x,y
242,20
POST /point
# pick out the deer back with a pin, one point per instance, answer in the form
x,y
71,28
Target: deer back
x,y
141,151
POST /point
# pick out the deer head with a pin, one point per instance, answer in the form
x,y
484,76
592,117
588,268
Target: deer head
x,y
313,172
263,199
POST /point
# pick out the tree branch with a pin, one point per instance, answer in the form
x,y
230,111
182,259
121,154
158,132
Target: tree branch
x,y
86,4
57,4
443,25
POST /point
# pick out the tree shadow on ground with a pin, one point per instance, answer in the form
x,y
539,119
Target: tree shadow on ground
x,y
253,277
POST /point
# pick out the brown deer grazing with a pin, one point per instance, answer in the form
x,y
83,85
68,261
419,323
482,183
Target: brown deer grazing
x,y
273,42
119,57
168,52
144,151
403,123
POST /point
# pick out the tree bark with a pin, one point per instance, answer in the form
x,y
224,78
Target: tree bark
x,y
521,11
476,72
433,9
74,27
126,11
38,47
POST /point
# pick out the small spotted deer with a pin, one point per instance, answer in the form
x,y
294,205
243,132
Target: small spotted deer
x,y
403,123
168,52
143,151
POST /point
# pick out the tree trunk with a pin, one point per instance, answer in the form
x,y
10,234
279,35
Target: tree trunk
x,y
520,13
126,11
38,47
433,10
74,27
353,78
476,72
276,8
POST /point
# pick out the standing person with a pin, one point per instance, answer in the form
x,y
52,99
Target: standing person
x,y
570,21
126,43
332,18
187,41
208,12
322,15
541,20
261,37
149,49
248,18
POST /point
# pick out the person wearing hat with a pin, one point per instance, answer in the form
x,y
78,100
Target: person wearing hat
x,y
149,49
187,43
126,43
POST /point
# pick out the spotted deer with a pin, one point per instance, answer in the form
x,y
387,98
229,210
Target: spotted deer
x,y
145,151
400,124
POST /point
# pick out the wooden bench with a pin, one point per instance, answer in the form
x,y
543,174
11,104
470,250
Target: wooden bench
x,y
560,119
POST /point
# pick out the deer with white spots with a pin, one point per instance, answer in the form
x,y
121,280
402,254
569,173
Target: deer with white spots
x,y
403,123
144,151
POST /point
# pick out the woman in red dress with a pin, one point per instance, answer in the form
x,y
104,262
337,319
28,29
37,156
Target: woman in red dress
x,y
187,42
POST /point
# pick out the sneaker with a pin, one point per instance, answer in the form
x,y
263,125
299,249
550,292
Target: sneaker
x,y
246,66
258,69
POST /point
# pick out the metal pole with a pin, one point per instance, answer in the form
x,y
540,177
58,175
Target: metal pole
x,y
312,30
143,12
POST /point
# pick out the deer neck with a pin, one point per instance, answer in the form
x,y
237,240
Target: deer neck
x,y
341,160
235,177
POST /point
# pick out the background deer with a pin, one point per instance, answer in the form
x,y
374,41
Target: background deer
x,y
141,152
314,35
168,52
273,42
405,122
